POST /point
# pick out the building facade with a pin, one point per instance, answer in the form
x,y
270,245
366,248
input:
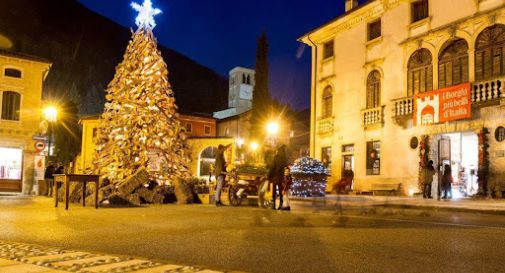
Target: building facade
x,y
198,125
21,84
396,83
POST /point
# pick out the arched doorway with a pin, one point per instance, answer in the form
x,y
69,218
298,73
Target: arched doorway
x,y
206,159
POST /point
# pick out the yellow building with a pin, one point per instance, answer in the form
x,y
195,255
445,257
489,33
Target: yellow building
x,y
393,79
21,82
202,148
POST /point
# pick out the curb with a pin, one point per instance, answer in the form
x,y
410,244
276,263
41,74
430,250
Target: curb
x,y
334,203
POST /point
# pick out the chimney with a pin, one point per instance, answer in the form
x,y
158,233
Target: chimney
x,y
350,4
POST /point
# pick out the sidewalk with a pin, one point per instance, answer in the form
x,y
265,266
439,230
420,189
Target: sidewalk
x,y
28,258
490,206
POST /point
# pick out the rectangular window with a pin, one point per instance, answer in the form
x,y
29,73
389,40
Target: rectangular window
x,y
374,30
206,130
328,48
373,158
326,157
348,148
13,73
11,104
420,10
189,127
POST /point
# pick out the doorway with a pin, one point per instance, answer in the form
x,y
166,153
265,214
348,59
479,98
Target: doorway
x,y
348,163
461,152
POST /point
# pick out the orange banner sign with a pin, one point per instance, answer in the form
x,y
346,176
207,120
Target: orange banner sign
x,y
452,103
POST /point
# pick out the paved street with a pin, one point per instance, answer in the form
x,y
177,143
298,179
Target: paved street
x,y
256,240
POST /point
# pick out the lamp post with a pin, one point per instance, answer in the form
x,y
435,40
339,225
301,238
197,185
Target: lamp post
x,y
50,114
272,129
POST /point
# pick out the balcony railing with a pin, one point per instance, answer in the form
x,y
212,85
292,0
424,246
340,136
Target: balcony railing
x,y
484,91
372,116
488,90
403,106
325,125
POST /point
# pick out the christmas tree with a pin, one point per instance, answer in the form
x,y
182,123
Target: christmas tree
x,y
140,127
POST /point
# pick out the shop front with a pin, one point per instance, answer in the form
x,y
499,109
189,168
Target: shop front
x,y
11,169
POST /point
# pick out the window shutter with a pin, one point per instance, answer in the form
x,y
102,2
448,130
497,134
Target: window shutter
x,y
479,66
441,76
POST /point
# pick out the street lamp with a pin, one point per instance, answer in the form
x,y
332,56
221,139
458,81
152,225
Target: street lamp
x,y
254,146
272,128
50,114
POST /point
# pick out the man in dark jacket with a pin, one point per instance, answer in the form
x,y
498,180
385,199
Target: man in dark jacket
x,y
276,174
48,177
427,174
219,168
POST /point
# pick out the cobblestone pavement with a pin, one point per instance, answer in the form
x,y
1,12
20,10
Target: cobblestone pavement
x,y
28,258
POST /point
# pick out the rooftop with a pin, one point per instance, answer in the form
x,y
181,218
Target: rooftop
x,y
19,55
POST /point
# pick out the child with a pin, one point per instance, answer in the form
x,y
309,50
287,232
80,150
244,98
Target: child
x,y
287,181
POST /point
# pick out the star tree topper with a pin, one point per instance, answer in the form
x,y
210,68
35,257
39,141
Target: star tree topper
x,y
145,19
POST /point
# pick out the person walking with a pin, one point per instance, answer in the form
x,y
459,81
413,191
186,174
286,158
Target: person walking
x,y
276,174
447,181
219,169
48,177
286,188
427,174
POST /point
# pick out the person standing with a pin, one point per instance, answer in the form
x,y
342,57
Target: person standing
x,y
427,174
286,188
447,181
219,169
276,174
48,177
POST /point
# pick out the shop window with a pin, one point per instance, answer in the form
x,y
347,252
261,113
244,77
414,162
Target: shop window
x,y
374,30
189,127
420,10
489,52
326,157
328,50
373,162
420,72
206,130
11,104
327,109
207,158
13,73
453,64
10,163
373,90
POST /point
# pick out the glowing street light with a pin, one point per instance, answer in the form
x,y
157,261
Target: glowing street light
x,y
272,128
51,113
254,146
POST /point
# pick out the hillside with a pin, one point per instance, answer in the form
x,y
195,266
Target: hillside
x,y
85,47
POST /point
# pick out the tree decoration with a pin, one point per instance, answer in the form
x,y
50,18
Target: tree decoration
x,y
140,126
424,152
145,19
483,171
309,177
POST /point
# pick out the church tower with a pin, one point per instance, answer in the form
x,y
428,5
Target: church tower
x,y
241,89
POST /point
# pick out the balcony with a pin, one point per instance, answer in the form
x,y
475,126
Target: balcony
x,y
488,91
482,94
372,117
325,125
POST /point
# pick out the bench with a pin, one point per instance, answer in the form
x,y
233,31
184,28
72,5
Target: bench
x,y
389,189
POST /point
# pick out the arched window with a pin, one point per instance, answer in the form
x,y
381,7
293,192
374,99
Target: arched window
x,y
248,79
244,80
420,72
11,104
453,64
489,51
327,109
207,158
12,72
373,90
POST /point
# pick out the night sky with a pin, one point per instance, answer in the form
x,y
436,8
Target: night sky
x,y
222,34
